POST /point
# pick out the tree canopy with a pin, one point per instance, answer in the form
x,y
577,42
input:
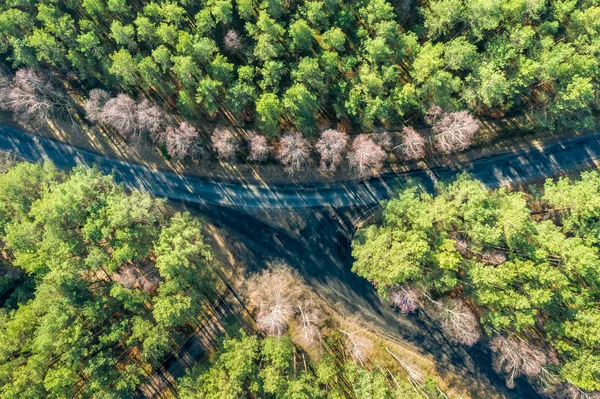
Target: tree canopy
x,y
380,62
526,264
98,285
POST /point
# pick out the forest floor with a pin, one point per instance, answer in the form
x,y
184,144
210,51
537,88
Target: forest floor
x,y
501,136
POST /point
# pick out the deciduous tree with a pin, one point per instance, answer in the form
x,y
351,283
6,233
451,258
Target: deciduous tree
x,y
365,155
180,140
331,147
293,152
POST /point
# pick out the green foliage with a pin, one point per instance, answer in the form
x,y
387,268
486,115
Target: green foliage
x,y
103,282
381,64
274,368
536,276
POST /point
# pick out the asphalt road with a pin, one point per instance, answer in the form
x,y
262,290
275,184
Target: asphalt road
x,y
507,168
321,250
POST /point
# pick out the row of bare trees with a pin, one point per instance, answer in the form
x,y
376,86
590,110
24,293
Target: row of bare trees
x,y
135,120
451,132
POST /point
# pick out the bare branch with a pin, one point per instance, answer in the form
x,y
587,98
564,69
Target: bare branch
x,y
121,113
413,143
365,155
32,96
179,140
232,40
358,345
225,143
259,147
309,320
95,103
457,321
274,294
454,131
293,152
514,357
331,147
406,299
151,118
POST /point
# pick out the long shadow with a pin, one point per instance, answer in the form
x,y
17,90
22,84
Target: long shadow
x,y
321,253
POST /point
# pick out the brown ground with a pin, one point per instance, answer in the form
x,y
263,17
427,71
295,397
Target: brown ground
x,y
493,138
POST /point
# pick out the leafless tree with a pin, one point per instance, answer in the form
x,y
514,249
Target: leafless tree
x,y
567,390
95,103
454,131
358,346
274,294
514,357
32,96
457,320
293,152
413,371
365,155
179,140
406,299
121,113
385,140
151,118
232,40
309,318
331,147
413,143
259,147
225,143
494,257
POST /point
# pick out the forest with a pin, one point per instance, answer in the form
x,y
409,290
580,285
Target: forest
x,y
518,270
275,65
97,286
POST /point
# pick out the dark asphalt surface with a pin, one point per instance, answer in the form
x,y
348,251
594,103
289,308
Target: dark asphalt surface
x,y
321,251
497,170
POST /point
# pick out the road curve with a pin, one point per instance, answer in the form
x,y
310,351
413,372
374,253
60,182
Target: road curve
x,y
506,168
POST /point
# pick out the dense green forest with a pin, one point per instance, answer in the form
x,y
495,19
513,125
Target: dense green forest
x,y
274,367
524,267
97,286
279,64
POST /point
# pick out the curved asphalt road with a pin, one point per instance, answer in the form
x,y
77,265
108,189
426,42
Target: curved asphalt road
x,y
321,250
507,168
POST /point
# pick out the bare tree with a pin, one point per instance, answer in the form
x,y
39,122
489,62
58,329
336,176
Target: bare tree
x,y
225,143
179,140
514,357
32,96
385,140
232,40
309,319
406,299
259,147
293,152
365,155
151,118
457,320
413,143
331,147
454,131
121,113
95,103
274,294
358,346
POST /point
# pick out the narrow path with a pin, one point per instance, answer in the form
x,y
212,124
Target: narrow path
x,y
502,169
